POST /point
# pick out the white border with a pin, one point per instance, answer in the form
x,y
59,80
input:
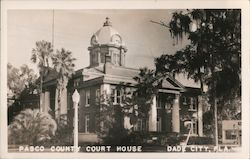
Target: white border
x,y
102,4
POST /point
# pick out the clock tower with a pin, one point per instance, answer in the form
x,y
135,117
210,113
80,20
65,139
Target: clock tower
x,y
107,46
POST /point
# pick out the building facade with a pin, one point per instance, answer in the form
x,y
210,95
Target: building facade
x,y
175,109
231,132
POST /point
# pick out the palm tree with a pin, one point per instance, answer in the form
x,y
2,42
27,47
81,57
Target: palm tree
x,y
41,55
31,127
64,66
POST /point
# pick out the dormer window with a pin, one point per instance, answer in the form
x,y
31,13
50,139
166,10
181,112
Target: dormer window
x,y
116,39
93,40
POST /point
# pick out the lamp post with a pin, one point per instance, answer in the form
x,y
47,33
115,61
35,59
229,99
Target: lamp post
x,y
76,99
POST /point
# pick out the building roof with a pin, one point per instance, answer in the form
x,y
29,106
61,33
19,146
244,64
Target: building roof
x,y
116,74
110,71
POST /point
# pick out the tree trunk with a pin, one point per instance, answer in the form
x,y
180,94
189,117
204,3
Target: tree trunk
x,y
60,88
215,122
59,103
41,90
201,81
214,103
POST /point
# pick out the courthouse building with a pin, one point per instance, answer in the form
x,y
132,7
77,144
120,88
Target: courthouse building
x,y
176,108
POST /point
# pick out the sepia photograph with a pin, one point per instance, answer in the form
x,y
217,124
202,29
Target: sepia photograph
x,y
158,80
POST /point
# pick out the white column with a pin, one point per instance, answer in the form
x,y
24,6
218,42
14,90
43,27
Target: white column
x,y
46,101
200,120
42,102
105,88
57,113
153,116
63,109
176,114
126,123
105,91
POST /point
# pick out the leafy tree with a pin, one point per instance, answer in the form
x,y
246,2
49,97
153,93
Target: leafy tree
x,y
22,88
19,79
146,89
31,127
14,85
110,121
64,66
215,48
213,54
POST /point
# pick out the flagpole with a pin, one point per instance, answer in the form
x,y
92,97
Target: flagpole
x,y
53,27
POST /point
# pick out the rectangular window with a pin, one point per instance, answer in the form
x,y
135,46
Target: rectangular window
x,y
95,58
87,123
76,82
231,134
188,100
194,127
97,94
115,58
159,103
113,96
87,98
118,59
184,100
102,58
116,96
138,126
193,104
158,124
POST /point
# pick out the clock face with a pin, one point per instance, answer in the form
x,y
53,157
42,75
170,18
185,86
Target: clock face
x,y
116,39
94,40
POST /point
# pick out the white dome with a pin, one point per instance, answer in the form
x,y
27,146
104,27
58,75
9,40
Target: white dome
x,y
106,35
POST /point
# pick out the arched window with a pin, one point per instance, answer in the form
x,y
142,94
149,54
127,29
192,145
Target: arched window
x,y
116,58
116,39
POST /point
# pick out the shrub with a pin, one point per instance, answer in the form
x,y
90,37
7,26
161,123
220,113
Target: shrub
x,y
30,127
195,140
64,132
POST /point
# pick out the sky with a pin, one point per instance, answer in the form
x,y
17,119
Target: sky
x,y
73,30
